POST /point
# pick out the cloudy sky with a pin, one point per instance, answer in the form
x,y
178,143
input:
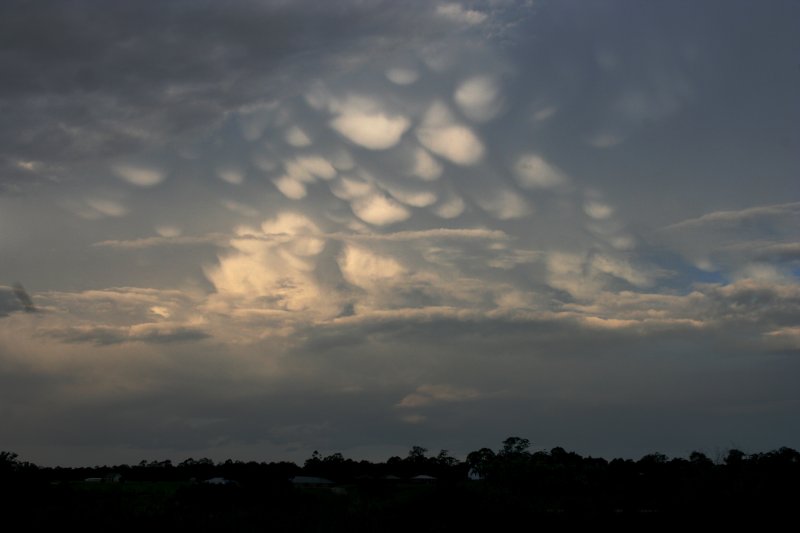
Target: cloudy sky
x,y
253,229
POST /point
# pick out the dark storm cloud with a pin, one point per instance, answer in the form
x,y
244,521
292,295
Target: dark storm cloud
x,y
8,301
24,298
618,392
96,79
333,225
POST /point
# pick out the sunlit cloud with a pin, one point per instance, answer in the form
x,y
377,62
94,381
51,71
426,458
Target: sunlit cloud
x,y
402,76
379,210
452,207
139,176
363,122
431,394
456,13
231,175
479,98
425,166
297,137
102,207
290,187
442,135
533,172
598,210
505,204
361,220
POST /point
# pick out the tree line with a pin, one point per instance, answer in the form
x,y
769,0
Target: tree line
x,y
422,491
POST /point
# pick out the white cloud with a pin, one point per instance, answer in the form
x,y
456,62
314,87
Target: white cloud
x,y
456,13
290,187
297,137
349,188
426,395
763,272
568,272
430,234
450,208
139,176
366,269
731,240
598,210
479,98
30,166
231,175
160,310
275,273
425,166
505,204
414,198
622,269
300,233
168,231
402,76
104,207
363,122
787,338
317,166
442,135
378,210
741,215
533,172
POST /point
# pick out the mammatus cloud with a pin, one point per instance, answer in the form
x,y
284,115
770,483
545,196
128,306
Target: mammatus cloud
x,y
479,98
376,209
425,166
533,172
443,135
279,227
139,176
457,13
365,124
402,76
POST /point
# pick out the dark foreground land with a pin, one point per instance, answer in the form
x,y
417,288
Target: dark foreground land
x,y
516,491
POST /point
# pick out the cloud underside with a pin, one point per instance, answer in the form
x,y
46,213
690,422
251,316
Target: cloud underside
x,y
299,224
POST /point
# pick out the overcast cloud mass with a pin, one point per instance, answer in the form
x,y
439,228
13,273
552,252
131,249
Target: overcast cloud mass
x,y
253,229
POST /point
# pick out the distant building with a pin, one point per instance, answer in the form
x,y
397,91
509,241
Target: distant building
x,y
219,481
311,482
474,475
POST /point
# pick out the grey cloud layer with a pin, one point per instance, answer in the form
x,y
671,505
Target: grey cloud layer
x,y
270,227
96,79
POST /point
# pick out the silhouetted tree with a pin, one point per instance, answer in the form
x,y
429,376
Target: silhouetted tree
x,y
417,453
700,459
735,457
515,446
481,461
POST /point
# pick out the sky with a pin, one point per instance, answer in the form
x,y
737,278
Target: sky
x,y
254,229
